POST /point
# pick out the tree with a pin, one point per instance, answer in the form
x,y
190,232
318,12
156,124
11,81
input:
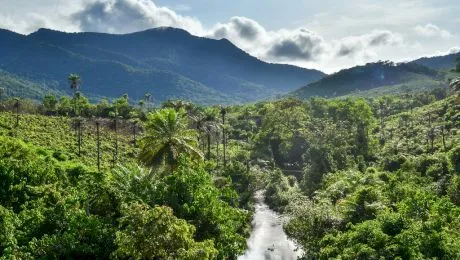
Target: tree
x,y
362,140
156,233
64,106
122,106
148,100
167,137
98,144
223,112
209,125
115,117
49,102
74,80
17,107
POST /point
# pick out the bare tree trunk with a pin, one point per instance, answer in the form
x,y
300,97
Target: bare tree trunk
x,y
115,153
443,133
217,147
224,139
80,135
17,107
209,146
134,134
98,144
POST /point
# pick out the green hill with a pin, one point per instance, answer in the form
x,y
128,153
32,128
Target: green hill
x,y
380,76
15,86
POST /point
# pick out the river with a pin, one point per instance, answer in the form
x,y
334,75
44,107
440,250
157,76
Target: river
x,y
268,240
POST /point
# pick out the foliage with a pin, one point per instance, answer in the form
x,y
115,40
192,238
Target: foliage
x,y
156,233
357,178
167,137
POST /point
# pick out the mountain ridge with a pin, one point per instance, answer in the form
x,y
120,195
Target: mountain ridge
x,y
409,76
165,61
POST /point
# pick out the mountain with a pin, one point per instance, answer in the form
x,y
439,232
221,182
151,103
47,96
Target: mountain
x,y
400,77
439,62
15,86
167,62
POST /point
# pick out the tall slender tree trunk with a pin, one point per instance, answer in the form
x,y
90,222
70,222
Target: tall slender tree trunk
x,y
224,139
17,106
217,148
75,102
98,144
134,134
115,153
79,137
209,146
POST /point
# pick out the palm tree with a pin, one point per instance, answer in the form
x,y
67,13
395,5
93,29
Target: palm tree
x,y
210,126
167,137
147,99
141,105
74,80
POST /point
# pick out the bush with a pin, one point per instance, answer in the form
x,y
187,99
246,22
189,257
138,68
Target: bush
x,y
156,233
60,156
394,163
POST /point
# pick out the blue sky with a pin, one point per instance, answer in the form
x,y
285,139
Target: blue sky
x,y
328,35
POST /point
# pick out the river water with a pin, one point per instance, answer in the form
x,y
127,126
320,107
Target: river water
x,y
268,240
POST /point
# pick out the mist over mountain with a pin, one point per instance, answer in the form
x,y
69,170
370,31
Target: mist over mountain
x,y
169,63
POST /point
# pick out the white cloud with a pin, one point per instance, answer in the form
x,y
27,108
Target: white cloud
x,y
281,45
431,30
453,50
304,47
125,16
181,8
349,46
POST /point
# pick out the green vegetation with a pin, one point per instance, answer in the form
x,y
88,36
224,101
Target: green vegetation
x,y
376,79
380,177
15,86
57,203
366,178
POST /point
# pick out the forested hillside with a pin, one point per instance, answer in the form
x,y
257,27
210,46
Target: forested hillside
x,y
169,63
14,86
439,62
357,178
375,78
376,178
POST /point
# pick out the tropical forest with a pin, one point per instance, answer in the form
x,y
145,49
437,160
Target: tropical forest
x,y
174,143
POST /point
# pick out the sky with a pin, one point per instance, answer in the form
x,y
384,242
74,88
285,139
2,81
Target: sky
x,y
328,35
